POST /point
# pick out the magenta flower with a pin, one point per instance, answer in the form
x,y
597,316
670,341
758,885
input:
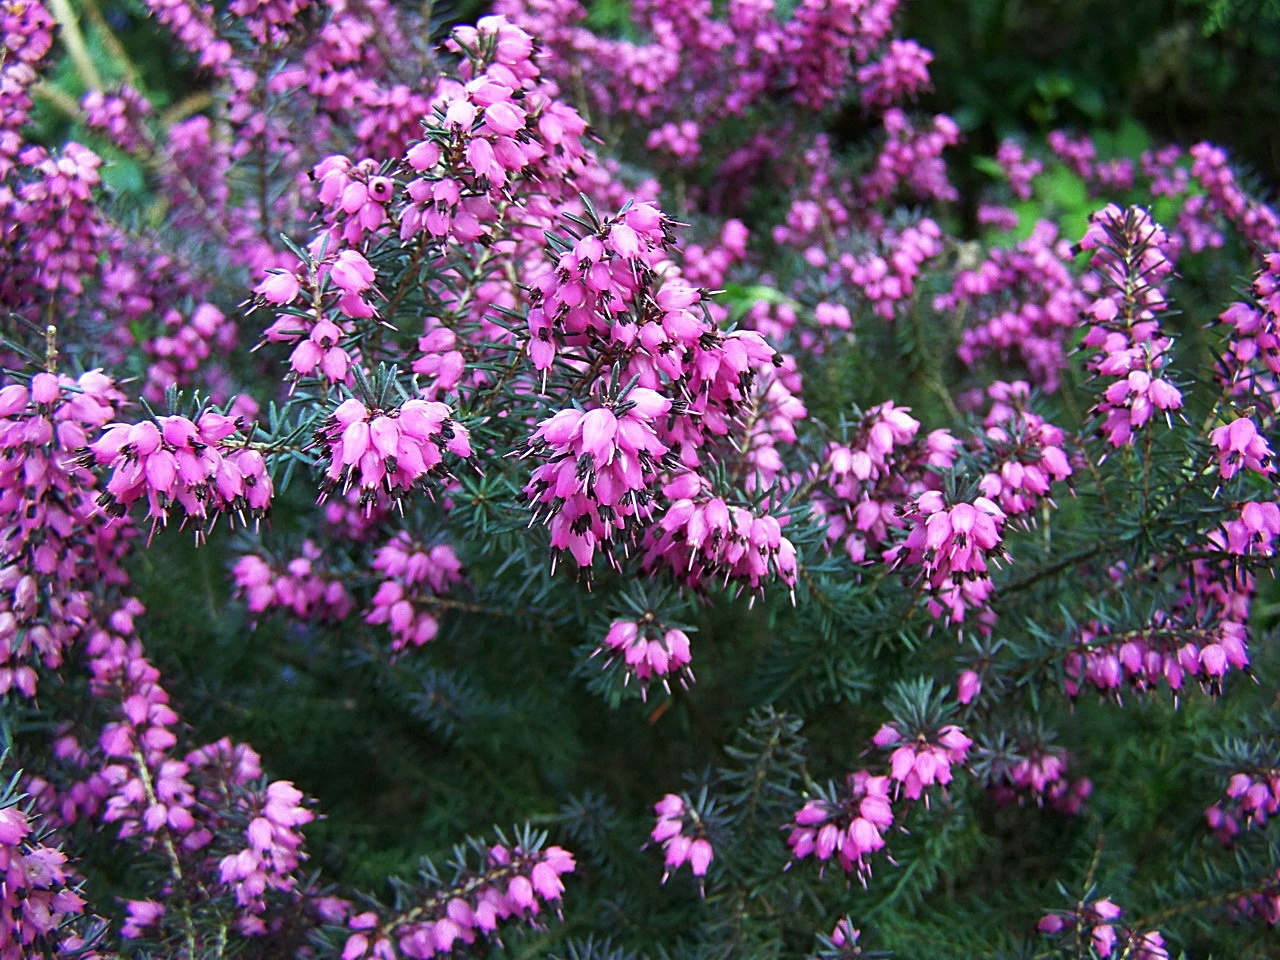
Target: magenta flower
x,y
142,916
279,288
918,764
675,817
849,828
36,897
1105,936
599,467
968,686
648,650
393,451
417,575
1238,445
952,545
351,272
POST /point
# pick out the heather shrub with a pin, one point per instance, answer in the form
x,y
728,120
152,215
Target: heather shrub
x,y
578,493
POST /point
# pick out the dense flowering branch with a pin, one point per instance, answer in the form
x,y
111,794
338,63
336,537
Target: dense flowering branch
x,y
611,367
514,882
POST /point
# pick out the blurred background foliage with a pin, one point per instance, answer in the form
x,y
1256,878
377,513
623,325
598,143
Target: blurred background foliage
x,y
1128,74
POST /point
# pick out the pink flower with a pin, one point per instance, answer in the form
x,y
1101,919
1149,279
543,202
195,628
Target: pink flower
x,y
849,828
392,451
648,650
674,817
968,686
278,288
417,575
952,545
1239,446
351,272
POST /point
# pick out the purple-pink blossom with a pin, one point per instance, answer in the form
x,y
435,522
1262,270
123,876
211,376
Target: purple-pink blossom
x,y
390,451
683,836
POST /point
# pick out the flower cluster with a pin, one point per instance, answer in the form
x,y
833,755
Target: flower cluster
x,y
58,233
1253,533
598,470
26,40
613,294
703,540
1168,652
1250,364
1100,916
1264,903
199,809
147,791
911,159
185,807
391,450
831,233
595,286
355,197
1238,446
499,130
680,140
439,360
302,586
342,281
192,25
1249,368
697,68
197,469
55,545
648,650
258,851
417,577
917,764
773,419
682,834
1028,452
514,883
273,851
1255,221
952,544
708,265
38,896
1080,154
1131,264
888,278
866,480
820,38
1039,773
1022,305
902,72
1250,799
1018,167
182,349
849,826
